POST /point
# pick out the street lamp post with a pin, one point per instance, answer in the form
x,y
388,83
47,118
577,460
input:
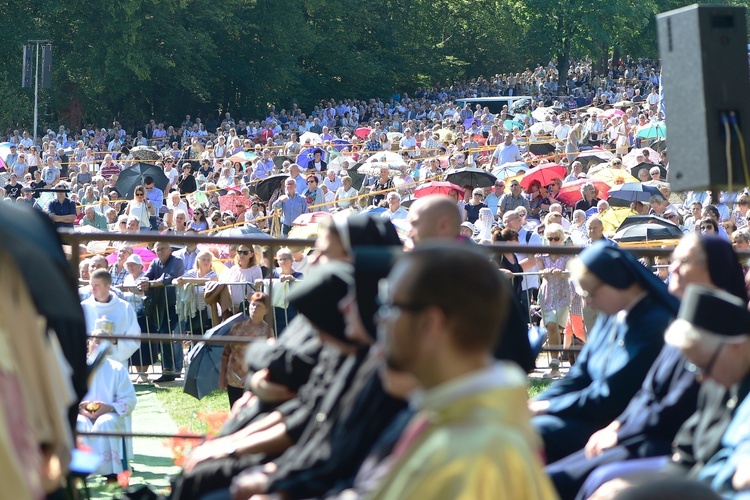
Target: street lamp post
x,y
46,73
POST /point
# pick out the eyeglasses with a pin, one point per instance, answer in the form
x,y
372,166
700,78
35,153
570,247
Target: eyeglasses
x,y
514,185
706,370
388,310
587,293
243,252
553,238
312,182
140,194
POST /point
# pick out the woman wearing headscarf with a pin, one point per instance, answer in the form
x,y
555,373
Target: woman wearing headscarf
x,y
622,346
669,393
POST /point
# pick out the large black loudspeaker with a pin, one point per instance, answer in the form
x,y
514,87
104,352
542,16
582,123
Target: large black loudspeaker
x,y
28,66
706,86
46,82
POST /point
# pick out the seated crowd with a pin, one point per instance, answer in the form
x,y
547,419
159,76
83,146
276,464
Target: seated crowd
x,y
375,372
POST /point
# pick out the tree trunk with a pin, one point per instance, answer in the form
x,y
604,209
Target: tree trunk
x,y
563,61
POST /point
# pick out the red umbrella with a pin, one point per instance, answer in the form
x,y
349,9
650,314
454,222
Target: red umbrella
x,y
570,192
233,203
362,132
437,187
544,173
311,218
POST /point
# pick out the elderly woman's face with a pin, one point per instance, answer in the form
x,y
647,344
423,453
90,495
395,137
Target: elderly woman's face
x,y
554,238
689,265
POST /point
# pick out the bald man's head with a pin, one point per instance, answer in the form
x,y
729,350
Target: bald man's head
x,y
434,217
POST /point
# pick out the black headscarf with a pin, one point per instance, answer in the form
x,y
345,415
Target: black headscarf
x,y
724,266
370,266
366,230
318,296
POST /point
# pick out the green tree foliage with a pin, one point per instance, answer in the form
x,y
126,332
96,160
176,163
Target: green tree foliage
x,y
137,59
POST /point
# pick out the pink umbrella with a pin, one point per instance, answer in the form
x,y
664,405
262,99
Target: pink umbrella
x,y
570,192
362,132
544,173
612,112
233,203
311,218
437,187
146,256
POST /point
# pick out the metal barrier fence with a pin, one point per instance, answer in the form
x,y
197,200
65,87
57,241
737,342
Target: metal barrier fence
x,y
76,239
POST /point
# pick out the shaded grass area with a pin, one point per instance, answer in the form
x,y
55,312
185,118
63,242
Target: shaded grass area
x,y
184,409
166,410
536,386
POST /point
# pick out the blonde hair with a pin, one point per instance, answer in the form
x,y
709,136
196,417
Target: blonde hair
x,y
556,229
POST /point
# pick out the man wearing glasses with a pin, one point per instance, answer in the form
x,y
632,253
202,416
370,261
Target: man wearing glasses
x,y
510,201
446,340
492,197
292,205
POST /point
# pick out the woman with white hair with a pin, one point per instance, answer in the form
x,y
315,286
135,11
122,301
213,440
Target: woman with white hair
x,y
554,293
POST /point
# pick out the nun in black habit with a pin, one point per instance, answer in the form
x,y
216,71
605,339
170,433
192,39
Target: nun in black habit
x,y
212,467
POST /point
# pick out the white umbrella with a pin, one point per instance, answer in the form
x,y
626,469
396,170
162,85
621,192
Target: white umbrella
x,y
510,169
540,128
341,162
540,113
394,136
386,157
373,168
312,137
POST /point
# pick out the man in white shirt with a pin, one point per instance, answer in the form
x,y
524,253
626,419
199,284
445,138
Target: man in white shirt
x,y
507,151
408,143
395,210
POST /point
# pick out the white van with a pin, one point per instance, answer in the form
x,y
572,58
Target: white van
x,y
494,104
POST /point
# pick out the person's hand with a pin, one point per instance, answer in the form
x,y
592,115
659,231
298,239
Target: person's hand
x,y
267,390
741,477
144,285
538,407
610,489
248,484
245,400
600,441
209,450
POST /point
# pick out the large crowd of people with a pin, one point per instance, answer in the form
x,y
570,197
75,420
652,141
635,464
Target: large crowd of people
x,y
390,359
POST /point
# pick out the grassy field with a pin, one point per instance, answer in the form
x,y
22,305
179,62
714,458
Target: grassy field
x,y
536,386
184,409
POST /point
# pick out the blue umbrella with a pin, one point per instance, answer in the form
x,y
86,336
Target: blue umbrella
x,y
633,191
204,360
509,124
341,144
306,156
